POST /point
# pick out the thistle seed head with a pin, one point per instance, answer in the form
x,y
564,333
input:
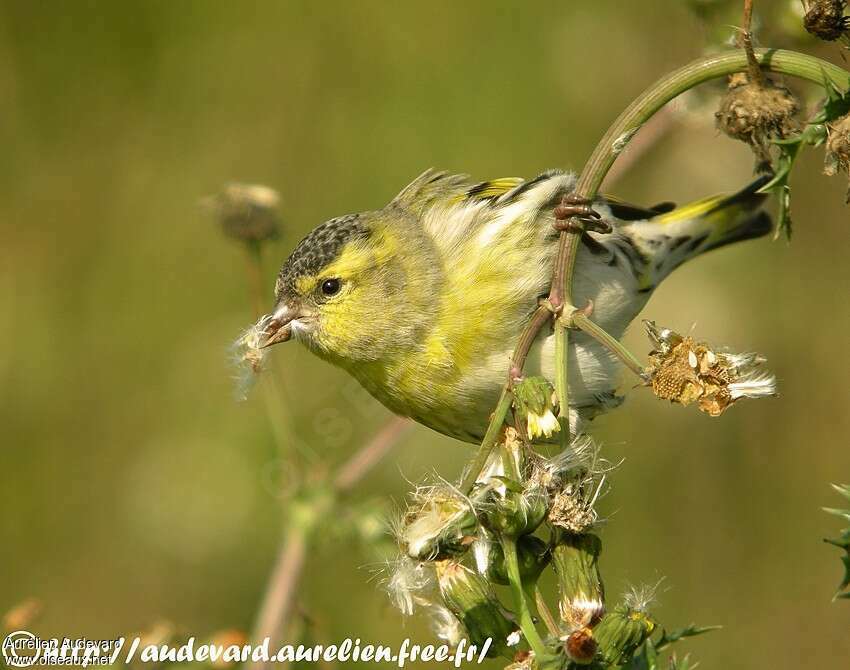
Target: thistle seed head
x,y
838,149
825,19
756,113
248,357
408,583
685,371
440,523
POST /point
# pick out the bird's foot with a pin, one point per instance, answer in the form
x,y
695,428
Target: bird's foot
x,y
574,207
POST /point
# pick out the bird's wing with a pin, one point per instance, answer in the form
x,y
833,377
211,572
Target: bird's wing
x,y
433,187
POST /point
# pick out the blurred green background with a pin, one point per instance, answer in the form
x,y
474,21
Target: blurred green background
x,y
135,489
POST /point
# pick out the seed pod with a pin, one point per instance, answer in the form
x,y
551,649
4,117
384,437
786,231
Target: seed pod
x,y
470,598
620,633
838,149
755,113
825,19
575,559
684,371
440,524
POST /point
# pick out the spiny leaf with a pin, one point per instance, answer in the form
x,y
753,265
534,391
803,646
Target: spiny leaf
x,y
814,134
842,542
676,635
843,489
684,664
843,513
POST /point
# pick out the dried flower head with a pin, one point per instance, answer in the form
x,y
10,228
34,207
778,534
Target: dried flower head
x,y
825,19
533,401
440,523
685,371
408,583
838,148
756,113
246,212
580,457
573,506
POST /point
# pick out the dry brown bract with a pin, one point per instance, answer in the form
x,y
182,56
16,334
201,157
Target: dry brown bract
x,y
838,148
756,113
685,371
825,19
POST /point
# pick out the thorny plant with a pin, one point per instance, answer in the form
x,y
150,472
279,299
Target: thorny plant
x,y
842,542
518,513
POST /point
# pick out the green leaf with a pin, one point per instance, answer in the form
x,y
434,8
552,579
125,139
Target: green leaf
x,y
843,542
676,635
814,134
843,513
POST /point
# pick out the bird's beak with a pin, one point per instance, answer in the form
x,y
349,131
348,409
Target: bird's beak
x,y
277,327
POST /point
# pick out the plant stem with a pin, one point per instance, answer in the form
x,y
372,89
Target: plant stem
x,y
279,595
597,166
685,78
583,322
545,614
490,439
523,614
754,72
639,112
541,315
562,382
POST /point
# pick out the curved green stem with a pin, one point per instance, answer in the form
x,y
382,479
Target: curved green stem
x,y
606,152
523,613
639,112
597,332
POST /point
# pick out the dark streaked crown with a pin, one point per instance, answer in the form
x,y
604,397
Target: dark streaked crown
x,y
321,247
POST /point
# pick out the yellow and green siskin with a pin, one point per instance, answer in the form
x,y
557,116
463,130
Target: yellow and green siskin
x,y
422,301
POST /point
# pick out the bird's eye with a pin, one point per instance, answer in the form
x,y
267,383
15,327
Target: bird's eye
x,y
330,287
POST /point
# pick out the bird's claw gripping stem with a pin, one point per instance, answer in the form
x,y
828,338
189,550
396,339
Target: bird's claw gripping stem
x,y
573,207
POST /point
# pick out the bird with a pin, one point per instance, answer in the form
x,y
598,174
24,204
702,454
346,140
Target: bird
x,y
423,300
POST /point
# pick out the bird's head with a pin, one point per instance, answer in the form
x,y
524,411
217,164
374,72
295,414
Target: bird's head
x,y
347,289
